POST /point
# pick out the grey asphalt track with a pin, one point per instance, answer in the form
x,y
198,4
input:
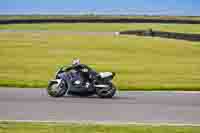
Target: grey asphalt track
x,y
125,107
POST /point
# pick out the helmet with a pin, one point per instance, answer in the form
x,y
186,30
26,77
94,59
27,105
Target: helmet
x,y
76,61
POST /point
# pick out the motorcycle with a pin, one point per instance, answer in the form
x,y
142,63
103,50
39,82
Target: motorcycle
x,y
73,82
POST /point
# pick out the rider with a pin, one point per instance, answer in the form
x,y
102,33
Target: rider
x,y
76,65
85,71
76,61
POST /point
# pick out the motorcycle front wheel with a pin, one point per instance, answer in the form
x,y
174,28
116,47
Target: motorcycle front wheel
x,y
57,91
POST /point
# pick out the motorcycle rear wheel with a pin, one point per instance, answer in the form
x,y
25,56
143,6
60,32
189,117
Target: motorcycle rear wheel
x,y
106,92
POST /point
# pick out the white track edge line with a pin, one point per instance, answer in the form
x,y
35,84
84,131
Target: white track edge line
x,y
103,123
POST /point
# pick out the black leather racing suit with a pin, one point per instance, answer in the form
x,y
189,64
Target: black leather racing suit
x,y
87,72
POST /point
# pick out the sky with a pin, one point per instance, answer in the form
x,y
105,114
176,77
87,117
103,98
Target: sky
x,y
126,7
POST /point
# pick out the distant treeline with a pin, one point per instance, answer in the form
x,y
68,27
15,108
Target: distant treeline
x,y
153,33
6,19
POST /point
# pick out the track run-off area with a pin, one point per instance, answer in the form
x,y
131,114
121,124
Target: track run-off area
x,y
26,104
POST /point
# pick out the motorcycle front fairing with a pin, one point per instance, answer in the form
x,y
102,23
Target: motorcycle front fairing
x,y
76,82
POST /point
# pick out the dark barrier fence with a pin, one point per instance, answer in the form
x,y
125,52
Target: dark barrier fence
x,y
173,35
82,20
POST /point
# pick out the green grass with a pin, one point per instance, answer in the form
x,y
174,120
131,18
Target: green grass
x,y
141,63
97,27
12,127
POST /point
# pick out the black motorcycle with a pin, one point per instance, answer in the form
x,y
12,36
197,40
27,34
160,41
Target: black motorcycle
x,y
82,83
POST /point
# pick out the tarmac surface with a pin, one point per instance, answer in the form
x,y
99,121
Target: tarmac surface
x,y
126,107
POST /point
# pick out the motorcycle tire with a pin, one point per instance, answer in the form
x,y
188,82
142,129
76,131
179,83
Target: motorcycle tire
x,y
106,92
61,92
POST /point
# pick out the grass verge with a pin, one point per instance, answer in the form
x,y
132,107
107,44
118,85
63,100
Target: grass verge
x,y
141,63
12,127
102,27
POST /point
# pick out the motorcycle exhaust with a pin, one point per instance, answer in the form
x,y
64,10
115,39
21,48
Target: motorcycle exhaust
x,y
101,86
